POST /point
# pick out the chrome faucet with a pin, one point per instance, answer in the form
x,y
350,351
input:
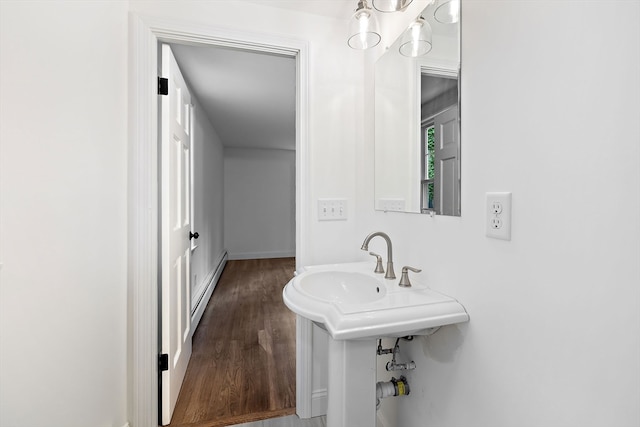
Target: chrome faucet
x,y
379,267
365,247
404,278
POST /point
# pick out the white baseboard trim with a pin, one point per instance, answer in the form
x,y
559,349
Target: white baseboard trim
x,y
319,402
211,281
381,421
261,255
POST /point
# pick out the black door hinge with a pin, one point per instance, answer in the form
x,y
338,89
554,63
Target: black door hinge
x,y
163,86
163,362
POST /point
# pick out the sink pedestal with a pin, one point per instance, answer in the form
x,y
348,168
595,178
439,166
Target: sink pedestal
x,y
351,399
356,306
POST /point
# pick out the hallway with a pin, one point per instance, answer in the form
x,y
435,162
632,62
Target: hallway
x,y
243,364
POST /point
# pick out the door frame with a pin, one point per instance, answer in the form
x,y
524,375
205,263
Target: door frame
x,y
143,228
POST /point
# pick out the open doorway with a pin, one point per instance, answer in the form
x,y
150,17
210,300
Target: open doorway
x,y
146,34
243,194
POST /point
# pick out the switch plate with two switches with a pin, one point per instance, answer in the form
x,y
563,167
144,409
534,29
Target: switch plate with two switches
x,y
498,220
332,209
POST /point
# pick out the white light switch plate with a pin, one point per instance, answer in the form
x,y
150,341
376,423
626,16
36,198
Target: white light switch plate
x,y
332,209
498,215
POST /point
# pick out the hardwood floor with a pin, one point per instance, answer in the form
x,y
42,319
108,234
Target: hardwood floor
x,y
242,368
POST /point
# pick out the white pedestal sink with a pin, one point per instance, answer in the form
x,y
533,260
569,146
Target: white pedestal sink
x,y
356,307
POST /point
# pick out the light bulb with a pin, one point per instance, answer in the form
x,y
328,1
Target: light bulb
x,y
363,32
416,40
391,5
448,12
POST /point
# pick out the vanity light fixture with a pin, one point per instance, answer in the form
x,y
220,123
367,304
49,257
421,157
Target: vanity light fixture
x,y
363,28
391,5
416,40
447,11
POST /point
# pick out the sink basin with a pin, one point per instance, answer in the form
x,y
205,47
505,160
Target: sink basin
x,y
343,288
352,302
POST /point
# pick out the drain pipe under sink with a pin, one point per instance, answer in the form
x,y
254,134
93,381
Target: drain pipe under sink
x,y
395,387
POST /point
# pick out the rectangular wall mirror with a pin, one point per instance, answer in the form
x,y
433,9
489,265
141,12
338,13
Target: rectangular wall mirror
x,y
417,117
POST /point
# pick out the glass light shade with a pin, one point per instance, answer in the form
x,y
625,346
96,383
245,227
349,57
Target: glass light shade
x,y
363,28
416,40
447,11
391,5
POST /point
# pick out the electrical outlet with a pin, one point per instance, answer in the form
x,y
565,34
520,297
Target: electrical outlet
x,y
496,223
498,220
332,209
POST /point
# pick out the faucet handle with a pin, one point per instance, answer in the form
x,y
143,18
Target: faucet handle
x,y
404,279
379,268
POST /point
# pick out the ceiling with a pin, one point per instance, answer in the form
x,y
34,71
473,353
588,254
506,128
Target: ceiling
x,y
248,96
339,9
434,86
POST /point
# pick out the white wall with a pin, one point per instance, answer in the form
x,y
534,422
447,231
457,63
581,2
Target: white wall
x,y
63,230
208,169
396,97
259,203
551,103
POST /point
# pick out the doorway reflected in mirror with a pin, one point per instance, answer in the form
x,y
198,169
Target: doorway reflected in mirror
x,y
440,143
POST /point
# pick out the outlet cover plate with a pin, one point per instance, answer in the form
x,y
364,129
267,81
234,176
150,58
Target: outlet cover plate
x,y
498,215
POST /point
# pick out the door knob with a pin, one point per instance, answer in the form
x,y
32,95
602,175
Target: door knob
x,y
193,235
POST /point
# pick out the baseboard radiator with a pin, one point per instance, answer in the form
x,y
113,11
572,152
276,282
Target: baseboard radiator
x,y
212,280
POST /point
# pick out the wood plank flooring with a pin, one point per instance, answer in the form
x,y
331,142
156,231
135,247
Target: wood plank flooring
x,y
242,368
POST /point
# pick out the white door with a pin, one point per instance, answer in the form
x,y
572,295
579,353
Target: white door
x,y
176,299
446,199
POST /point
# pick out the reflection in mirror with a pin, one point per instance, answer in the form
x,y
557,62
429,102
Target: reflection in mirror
x,y
417,125
440,138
